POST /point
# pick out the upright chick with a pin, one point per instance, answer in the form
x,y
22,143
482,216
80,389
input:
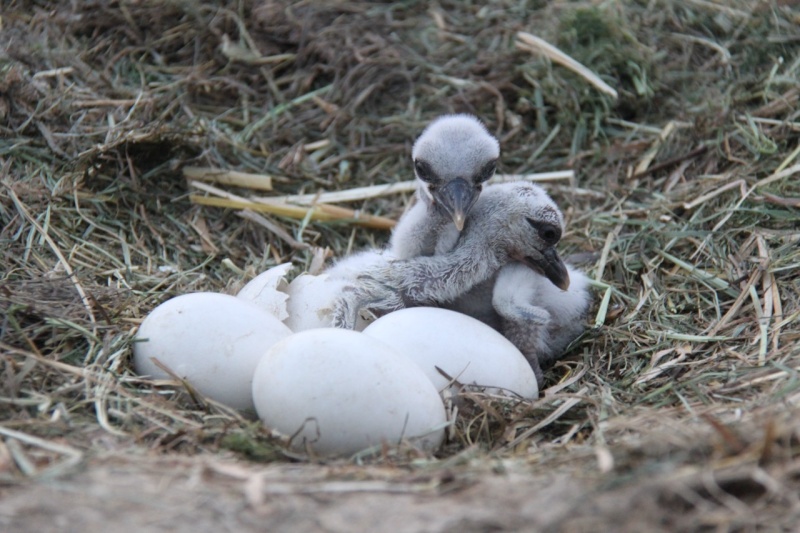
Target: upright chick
x,y
453,158
509,222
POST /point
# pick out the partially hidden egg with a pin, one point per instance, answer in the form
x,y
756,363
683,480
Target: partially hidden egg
x,y
311,302
268,291
338,392
213,341
466,349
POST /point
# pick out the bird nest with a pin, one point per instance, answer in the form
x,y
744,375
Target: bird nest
x,y
681,197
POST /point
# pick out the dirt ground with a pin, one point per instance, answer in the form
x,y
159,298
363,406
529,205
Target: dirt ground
x,y
173,494
589,490
156,496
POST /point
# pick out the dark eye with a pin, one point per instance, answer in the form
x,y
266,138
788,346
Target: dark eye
x,y
549,233
424,171
486,172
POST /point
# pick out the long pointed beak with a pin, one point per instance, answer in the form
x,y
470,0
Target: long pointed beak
x,y
457,198
552,267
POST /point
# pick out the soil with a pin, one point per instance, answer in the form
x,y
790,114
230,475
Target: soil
x,y
204,494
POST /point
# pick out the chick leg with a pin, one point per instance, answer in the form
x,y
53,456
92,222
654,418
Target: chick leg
x,y
522,322
536,316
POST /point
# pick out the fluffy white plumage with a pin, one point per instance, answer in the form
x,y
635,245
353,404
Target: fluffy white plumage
x,y
350,267
453,157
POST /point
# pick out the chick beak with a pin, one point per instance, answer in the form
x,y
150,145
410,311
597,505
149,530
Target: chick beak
x,y
552,267
457,198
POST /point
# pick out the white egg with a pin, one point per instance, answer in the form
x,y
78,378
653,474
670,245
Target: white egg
x,y
339,392
311,301
466,349
268,291
213,341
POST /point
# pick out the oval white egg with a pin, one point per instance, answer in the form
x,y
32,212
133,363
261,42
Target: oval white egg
x,y
268,291
339,392
466,349
213,341
311,301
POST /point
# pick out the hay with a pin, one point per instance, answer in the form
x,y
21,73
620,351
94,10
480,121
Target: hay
x,y
686,191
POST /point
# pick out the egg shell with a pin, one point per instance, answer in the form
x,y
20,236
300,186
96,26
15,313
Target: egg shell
x,y
311,301
213,341
340,392
466,349
268,291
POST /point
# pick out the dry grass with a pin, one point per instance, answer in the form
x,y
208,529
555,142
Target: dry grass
x,y
687,195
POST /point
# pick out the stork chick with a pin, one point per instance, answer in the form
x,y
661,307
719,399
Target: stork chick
x,y
509,222
453,157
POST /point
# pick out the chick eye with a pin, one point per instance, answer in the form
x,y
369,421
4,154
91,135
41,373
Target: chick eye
x,y
486,172
423,170
549,233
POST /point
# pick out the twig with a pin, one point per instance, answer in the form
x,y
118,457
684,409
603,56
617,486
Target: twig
x,y
53,72
602,311
351,195
779,200
568,175
737,304
779,173
651,153
106,102
73,456
229,177
724,53
740,183
701,275
322,212
601,266
787,100
274,228
671,162
533,44
555,415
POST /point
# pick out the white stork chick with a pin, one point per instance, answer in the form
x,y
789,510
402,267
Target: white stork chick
x,y
453,157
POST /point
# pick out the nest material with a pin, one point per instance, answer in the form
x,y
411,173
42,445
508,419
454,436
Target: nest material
x,y
686,191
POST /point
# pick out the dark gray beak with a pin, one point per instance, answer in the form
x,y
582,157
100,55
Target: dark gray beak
x,y
552,267
457,198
